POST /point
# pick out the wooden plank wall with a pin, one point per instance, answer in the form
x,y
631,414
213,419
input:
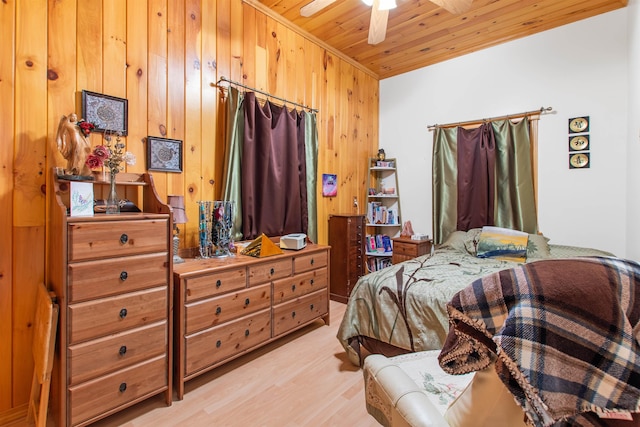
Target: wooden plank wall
x,y
163,56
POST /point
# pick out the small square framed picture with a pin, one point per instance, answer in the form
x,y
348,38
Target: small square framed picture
x,y
579,124
579,143
164,154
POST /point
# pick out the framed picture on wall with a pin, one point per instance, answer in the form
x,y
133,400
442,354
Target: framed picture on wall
x,y
329,185
107,113
164,154
579,124
579,143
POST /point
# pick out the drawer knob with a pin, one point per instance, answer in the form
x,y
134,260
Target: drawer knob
x,y
124,275
293,314
311,307
123,313
246,301
293,288
218,310
218,283
123,350
123,387
312,261
124,238
311,281
246,332
272,271
218,344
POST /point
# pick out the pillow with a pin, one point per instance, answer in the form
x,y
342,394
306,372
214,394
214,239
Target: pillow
x,y
485,402
538,246
503,243
456,240
463,241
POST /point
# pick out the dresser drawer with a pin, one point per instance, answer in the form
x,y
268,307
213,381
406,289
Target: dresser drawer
x,y
216,344
94,358
215,284
214,311
92,240
95,397
101,278
98,318
267,271
294,313
301,284
405,249
309,262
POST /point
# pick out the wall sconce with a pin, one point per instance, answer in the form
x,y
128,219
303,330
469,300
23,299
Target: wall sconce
x,y
179,217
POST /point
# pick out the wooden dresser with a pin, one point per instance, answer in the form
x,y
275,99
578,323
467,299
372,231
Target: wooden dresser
x,y
225,307
112,277
405,249
346,238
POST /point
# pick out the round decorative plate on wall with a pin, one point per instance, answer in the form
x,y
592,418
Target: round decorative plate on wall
x,y
579,143
579,124
579,160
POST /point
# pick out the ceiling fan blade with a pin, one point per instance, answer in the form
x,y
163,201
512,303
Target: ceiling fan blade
x,y
314,7
454,6
378,24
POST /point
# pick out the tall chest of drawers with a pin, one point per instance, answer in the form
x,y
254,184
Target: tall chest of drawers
x,y
112,277
346,238
225,307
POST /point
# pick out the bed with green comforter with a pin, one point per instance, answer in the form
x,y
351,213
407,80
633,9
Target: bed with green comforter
x,y
402,308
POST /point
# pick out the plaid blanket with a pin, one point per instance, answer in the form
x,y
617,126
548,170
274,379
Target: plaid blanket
x,y
564,336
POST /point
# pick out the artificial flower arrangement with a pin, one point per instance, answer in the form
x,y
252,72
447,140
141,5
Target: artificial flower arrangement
x,y
85,127
109,156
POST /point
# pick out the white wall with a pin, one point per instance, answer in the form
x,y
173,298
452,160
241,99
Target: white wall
x,y
633,157
578,69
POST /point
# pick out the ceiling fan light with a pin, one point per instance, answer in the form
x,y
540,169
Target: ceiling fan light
x,y
368,2
387,4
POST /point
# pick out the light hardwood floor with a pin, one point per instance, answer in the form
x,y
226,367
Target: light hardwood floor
x,y
304,379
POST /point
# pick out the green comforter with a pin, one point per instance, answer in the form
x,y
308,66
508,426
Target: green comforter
x,y
404,306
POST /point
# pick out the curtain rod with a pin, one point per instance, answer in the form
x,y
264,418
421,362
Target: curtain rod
x,y
224,79
542,110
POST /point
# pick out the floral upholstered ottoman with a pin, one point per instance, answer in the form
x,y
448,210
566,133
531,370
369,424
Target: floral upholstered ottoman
x,y
413,390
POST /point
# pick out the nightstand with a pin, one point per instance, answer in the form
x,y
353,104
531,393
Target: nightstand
x,y
405,249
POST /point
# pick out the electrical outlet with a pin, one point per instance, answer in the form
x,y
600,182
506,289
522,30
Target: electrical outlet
x,y
355,201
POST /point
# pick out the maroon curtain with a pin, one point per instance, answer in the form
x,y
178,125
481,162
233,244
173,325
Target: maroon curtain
x,y
273,170
476,177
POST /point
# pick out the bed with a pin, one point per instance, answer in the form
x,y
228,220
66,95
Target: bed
x,y
402,308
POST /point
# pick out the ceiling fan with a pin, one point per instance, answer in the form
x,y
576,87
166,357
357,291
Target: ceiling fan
x,y
380,13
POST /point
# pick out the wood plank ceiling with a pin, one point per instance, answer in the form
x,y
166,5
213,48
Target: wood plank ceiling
x,y
419,33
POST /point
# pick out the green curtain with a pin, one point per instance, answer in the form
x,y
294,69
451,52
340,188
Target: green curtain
x,y
514,201
311,154
232,171
445,182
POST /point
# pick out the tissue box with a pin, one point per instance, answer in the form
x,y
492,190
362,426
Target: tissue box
x,y
295,241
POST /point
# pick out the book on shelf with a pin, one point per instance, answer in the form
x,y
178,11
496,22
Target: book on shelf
x,y
386,244
377,213
379,244
376,264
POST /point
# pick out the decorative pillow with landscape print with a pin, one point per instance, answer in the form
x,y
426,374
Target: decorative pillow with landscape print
x,y
503,243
